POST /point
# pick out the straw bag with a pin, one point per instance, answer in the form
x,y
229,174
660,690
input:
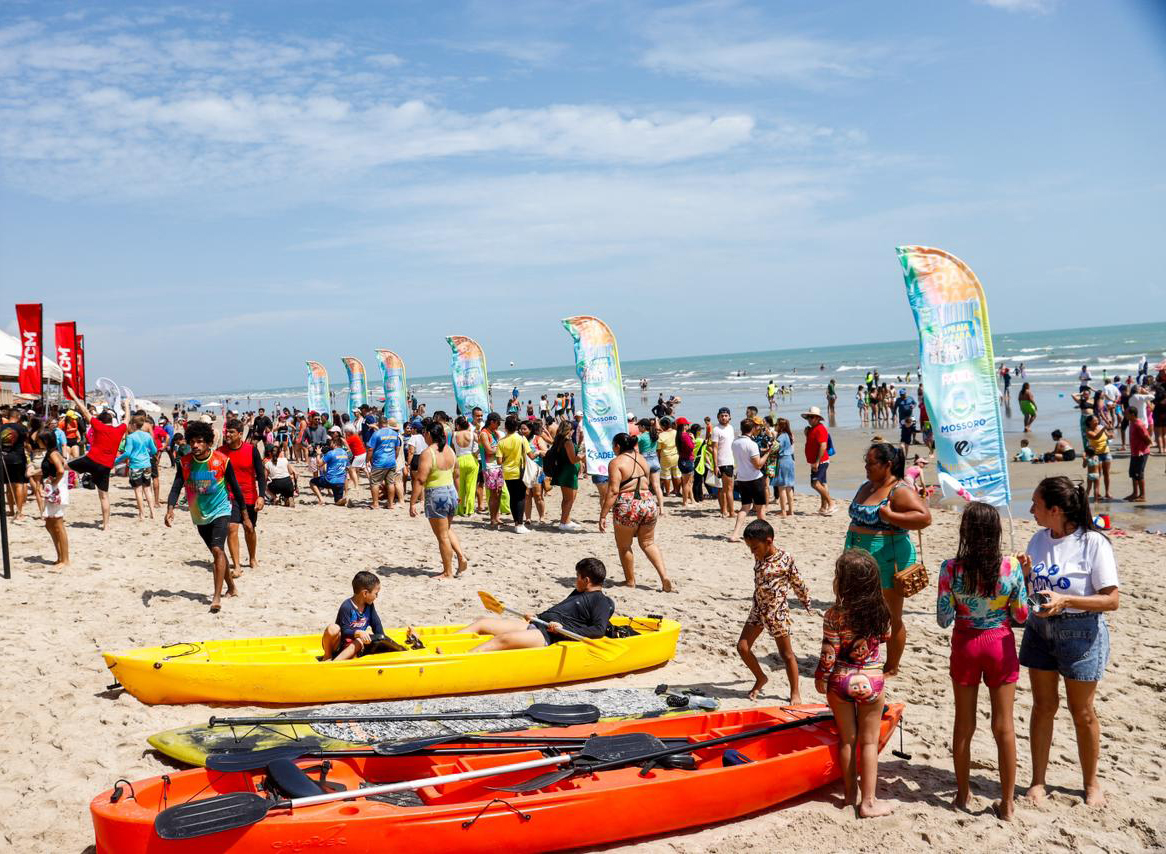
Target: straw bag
x,y
913,578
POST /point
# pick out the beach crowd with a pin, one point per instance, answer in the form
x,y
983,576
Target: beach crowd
x,y
519,472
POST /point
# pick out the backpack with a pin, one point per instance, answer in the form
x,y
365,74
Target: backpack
x,y
552,464
829,446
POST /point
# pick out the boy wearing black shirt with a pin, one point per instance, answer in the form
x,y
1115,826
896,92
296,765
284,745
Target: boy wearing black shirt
x,y
585,612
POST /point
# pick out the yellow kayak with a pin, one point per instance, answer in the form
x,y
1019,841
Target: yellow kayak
x,y
288,669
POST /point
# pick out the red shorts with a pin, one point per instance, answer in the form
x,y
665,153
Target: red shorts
x,y
987,655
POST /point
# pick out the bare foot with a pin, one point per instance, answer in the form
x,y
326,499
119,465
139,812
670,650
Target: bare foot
x,y
960,801
795,699
874,809
889,672
734,539
757,686
665,585
463,565
443,575
236,573
1094,797
216,606
1003,810
1036,794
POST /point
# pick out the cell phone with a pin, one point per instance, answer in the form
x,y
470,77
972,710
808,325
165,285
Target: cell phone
x,y
1038,599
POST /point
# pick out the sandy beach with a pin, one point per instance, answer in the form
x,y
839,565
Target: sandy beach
x,y
69,738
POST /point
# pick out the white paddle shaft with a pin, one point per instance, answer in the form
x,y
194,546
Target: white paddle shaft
x,y
559,631
407,785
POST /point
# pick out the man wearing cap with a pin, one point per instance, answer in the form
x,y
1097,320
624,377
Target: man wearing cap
x,y
317,434
818,456
382,450
633,427
722,437
685,451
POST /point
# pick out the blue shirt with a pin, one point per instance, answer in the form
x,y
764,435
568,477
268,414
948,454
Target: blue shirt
x,y
352,621
383,445
367,428
335,466
139,450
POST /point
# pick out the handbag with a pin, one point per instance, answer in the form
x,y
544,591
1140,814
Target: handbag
x,y
530,473
913,578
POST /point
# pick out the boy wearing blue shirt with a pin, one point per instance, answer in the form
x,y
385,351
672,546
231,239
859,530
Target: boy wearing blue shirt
x,y
139,450
333,468
357,621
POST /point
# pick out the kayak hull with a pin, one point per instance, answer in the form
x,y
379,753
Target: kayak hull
x,y
191,744
280,670
470,816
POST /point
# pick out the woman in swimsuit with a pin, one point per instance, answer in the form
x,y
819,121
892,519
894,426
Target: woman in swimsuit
x,y
633,509
881,517
437,476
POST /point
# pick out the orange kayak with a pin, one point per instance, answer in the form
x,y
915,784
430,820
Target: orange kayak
x,y
472,815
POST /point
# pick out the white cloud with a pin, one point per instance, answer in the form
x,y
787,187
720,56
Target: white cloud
x,y
531,51
722,41
1033,6
121,113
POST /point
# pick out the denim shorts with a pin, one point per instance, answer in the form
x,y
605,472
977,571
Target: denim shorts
x,y
686,466
1074,645
597,479
440,502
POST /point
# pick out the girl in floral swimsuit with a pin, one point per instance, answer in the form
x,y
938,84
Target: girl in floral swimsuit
x,y
633,511
850,672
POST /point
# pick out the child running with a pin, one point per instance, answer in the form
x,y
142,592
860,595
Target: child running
x,y
357,620
774,574
850,673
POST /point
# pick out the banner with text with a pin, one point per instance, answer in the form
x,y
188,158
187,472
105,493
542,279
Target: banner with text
x,y
468,368
958,373
319,398
357,384
67,358
29,317
597,364
393,377
79,367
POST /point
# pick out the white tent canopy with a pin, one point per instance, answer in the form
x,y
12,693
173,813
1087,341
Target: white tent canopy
x,y
10,360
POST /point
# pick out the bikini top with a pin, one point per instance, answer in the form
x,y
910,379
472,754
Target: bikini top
x,y
635,477
867,515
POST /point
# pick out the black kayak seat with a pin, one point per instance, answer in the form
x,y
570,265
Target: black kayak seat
x,y
291,780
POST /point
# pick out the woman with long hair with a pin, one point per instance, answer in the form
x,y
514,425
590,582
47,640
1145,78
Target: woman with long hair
x,y
648,440
984,593
55,489
436,476
882,514
539,442
1073,575
565,458
633,509
783,478
465,448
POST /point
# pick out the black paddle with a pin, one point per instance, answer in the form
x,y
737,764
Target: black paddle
x,y
631,754
543,713
252,760
242,809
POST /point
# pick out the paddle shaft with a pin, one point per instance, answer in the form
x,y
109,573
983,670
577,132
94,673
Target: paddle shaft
x,y
407,785
567,633
368,719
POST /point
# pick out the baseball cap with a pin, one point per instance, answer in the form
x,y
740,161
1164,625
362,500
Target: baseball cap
x,y
631,416
724,410
333,429
682,421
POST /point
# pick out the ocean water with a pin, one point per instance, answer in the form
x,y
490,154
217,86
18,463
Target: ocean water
x,y
1051,360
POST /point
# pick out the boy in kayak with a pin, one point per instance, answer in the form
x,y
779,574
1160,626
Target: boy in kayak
x,y
774,575
357,620
585,612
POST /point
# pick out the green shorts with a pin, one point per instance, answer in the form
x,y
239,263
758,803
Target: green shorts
x,y
893,553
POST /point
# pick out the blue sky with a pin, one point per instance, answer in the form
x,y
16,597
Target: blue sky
x,y
217,192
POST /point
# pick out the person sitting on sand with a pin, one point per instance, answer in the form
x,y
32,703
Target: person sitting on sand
x,y
587,612
357,620
774,575
1062,449
1025,454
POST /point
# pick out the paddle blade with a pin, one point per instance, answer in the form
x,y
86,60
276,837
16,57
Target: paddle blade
x,y
536,783
404,748
628,747
563,715
211,815
251,760
490,603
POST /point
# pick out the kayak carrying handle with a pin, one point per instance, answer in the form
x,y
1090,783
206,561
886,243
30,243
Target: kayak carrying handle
x,y
900,753
469,822
115,795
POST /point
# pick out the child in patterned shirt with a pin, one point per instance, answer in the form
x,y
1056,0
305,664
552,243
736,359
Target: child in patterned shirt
x,y
774,574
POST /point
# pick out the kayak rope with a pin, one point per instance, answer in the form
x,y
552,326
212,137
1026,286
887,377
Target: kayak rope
x,y
115,796
295,736
193,649
524,816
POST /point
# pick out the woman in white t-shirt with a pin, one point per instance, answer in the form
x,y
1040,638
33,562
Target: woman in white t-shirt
x,y
1073,578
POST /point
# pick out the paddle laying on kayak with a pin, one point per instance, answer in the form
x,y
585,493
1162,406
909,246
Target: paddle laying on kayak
x,y
599,753
543,713
603,648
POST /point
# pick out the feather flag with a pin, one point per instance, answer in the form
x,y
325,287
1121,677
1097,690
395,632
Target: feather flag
x,y
597,364
471,387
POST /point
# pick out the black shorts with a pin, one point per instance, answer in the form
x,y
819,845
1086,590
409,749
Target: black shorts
x,y
337,488
282,487
15,472
752,491
237,515
214,532
1138,466
1069,455
818,475
154,466
726,471
99,473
